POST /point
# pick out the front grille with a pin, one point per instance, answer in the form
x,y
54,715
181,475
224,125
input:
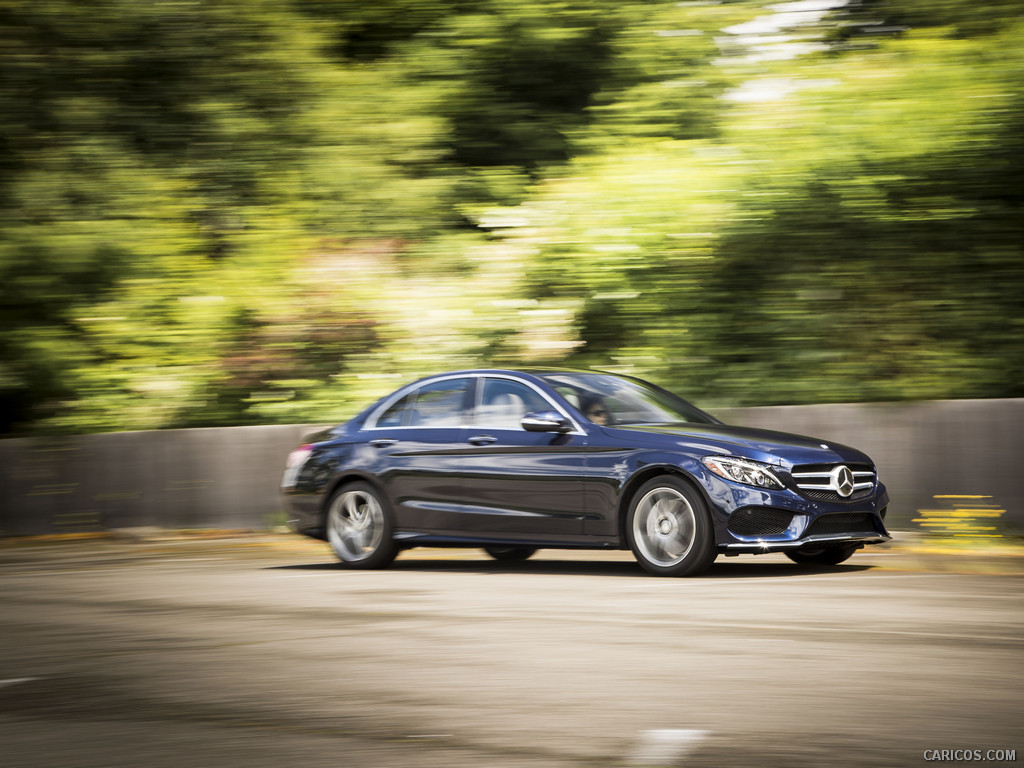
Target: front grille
x,y
834,495
842,522
820,482
759,522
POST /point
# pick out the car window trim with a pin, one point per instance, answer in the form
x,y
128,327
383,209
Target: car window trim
x,y
476,387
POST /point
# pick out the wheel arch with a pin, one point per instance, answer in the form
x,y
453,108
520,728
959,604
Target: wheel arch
x,y
644,475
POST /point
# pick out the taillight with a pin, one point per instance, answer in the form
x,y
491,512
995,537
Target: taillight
x,y
296,459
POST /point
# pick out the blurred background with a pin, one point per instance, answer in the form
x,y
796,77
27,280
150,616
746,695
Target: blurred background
x,y
264,214
255,212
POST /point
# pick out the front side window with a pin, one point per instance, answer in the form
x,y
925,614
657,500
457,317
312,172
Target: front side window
x,y
606,399
504,402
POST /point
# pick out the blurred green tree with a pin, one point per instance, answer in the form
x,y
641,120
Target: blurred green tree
x,y
240,212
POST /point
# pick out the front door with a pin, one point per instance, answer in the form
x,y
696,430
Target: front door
x,y
518,484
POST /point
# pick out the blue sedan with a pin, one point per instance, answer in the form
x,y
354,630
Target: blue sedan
x,y
516,461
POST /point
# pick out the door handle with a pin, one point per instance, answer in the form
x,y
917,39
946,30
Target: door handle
x,y
383,442
482,439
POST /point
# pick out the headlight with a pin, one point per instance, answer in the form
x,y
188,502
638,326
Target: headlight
x,y
743,471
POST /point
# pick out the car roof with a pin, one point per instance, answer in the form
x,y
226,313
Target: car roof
x,y
527,370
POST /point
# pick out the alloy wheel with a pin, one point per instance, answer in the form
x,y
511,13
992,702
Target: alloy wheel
x,y
355,525
664,526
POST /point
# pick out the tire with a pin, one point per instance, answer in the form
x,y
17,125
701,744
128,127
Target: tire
x,y
669,529
360,527
827,556
510,554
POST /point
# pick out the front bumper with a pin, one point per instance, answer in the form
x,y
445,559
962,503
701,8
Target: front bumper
x,y
755,521
809,542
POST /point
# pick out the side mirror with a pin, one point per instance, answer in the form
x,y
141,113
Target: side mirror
x,y
546,421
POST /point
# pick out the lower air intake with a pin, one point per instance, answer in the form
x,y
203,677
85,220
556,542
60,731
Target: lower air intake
x,y
843,522
759,522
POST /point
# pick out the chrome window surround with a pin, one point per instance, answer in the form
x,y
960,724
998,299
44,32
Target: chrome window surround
x,y
372,419
415,386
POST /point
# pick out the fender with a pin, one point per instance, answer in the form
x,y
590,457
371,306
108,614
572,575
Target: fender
x,y
614,475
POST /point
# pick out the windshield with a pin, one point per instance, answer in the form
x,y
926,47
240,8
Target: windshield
x,y
612,400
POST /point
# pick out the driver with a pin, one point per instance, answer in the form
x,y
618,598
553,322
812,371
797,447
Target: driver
x,y
594,408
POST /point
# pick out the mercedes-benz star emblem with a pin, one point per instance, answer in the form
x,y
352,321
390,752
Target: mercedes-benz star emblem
x,y
842,479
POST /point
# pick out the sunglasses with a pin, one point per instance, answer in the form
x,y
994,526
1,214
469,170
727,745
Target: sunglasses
x,y
598,412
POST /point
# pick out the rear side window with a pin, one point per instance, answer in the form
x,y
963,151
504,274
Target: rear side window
x,y
399,413
437,404
440,404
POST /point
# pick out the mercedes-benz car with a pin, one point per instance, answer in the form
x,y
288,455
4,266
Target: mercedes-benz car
x,y
516,461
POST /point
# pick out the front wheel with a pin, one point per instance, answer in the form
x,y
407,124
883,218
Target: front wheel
x,y
826,556
669,528
359,527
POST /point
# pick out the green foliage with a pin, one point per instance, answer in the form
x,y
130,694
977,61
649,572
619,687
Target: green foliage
x,y
961,18
864,241
245,212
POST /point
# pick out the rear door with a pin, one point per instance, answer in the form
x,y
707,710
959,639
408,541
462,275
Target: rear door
x,y
416,444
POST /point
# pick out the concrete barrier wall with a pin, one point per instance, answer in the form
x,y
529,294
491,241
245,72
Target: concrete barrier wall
x,y
180,479
228,477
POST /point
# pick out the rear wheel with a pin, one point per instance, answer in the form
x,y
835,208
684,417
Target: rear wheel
x,y
359,527
669,528
510,554
824,556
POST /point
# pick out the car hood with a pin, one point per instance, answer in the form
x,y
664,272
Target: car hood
x,y
765,445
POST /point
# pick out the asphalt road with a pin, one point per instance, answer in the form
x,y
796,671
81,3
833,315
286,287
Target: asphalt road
x,y
266,654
